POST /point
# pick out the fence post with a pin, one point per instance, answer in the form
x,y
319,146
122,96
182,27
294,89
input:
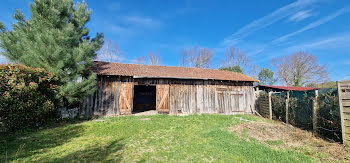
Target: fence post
x,y
270,105
340,97
287,108
315,112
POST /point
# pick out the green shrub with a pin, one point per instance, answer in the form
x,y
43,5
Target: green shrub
x,y
329,124
27,96
300,109
278,102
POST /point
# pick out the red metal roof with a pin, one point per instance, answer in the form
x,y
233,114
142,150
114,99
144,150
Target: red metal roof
x,y
148,71
289,88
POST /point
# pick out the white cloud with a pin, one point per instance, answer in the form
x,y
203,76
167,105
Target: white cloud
x,y
301,15
312,25
330,42
315,23
129,26
114,6
139,21
186,8
118,28
323,43
267,20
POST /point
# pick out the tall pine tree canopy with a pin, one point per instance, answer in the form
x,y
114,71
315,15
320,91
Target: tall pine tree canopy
x,y
56,39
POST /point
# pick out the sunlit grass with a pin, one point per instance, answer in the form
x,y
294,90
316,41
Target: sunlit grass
x,y
163,138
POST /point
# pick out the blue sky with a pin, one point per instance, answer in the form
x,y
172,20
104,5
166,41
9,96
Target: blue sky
x,y
263,29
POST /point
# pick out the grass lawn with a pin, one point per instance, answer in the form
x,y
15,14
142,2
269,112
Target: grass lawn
x,y
159,138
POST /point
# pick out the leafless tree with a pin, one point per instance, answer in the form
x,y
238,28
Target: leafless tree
x,y
196,57
299,69
140,60
236,57
254,71
154,58
110,52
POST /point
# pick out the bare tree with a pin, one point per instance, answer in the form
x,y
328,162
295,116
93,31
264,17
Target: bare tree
x,y
196,57
140,60
110,52
154,58
254,71
299,69
235,57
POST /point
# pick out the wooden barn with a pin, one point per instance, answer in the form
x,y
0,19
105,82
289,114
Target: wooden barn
x,y
124,89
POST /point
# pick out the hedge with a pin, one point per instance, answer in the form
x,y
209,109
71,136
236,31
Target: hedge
x,y
27,96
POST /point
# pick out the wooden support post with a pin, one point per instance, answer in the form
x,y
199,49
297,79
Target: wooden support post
x,y
315,112
287,108
341,110
270,105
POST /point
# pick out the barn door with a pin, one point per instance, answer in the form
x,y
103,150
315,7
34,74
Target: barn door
x,y
126,98
163,98
221,102
237,101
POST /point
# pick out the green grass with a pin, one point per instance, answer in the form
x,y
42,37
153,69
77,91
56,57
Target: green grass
x,y
196,138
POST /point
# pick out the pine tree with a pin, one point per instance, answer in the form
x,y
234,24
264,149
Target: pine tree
x,y
56,39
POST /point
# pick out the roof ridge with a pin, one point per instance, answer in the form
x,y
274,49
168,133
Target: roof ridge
x,y
175,66
169,71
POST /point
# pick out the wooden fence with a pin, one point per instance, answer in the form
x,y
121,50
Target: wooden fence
x,y
266,106
344,104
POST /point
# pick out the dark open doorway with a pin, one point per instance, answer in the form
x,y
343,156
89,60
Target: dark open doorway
x,y
144,98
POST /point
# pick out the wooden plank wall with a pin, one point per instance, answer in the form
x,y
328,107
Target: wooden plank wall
x,y
264,106
126,98
114,96
108,99
202,99
344,104
104,101
162,98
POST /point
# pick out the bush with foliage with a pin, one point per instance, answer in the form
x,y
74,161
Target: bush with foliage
x,y
301,109
27,96
237,69
55,37
279,107
329,124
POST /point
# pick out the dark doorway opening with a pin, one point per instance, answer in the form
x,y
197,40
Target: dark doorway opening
x,y
144,98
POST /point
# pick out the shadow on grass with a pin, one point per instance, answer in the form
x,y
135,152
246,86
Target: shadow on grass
x,y
98,153
22,145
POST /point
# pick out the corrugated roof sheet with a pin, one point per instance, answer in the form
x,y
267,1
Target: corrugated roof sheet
x,y
148,71
289,88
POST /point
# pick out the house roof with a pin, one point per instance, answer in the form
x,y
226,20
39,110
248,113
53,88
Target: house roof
x,y
149,71
288,88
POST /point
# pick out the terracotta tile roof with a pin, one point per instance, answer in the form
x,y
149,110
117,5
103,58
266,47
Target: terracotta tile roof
x,y
148,71
289,88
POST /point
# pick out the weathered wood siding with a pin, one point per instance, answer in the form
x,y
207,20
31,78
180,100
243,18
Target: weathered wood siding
x,y
162,98
114,96
126,98
344,104
265,107
191,99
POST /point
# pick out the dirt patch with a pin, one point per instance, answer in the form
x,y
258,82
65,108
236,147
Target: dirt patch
x,y
149,112
279,135
145,119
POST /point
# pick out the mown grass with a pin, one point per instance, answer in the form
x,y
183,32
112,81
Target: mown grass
x,y
163,138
